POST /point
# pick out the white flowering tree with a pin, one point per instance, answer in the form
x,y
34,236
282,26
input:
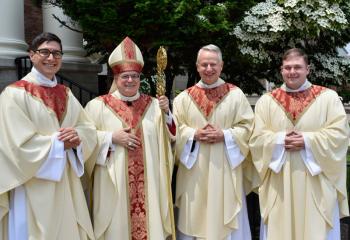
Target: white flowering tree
x,y
181,26
320,27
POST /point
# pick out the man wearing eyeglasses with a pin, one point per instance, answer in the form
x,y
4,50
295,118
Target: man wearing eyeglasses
x,y
130,198
41,122
299,147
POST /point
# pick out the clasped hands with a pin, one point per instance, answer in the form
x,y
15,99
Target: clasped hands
x,y
127,139
209,134
69,137
294,141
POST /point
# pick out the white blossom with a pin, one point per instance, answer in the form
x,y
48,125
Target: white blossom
x,y
266,8
276,22
270,23
222,5
335,65
202,17
291,3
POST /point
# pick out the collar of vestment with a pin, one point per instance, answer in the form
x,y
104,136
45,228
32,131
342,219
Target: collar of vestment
x,y
207,99
303,87
42,80
120,96
54,97
296,103
202,84
129,114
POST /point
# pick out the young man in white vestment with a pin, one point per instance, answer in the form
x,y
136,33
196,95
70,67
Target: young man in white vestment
x,y
132,162
41,122
215,121
299,147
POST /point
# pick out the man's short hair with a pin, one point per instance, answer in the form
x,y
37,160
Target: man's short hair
x,y
296,52
211,48
44,37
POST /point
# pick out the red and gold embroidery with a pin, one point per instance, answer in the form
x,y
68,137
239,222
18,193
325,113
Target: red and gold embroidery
x,y
132,115
296,103
126,67
138,213
55,98
129,49
207,99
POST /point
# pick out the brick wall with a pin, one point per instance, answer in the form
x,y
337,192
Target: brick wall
x,y
33,20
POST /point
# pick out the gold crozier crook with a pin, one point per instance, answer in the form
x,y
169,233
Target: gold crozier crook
x,y
161,65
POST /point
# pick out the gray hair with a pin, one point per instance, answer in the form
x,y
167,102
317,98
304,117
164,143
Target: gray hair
x,y
211,48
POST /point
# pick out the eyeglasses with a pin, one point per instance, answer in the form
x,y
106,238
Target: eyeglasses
x,y
44,52
132,76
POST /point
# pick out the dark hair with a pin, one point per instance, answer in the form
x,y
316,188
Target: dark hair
x,y
44,37
296,52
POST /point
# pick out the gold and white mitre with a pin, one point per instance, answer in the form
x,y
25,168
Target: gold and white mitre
x,y
126,57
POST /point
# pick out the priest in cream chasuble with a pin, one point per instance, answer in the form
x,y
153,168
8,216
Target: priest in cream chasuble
x,y
41,196
214,122
130,199
299,147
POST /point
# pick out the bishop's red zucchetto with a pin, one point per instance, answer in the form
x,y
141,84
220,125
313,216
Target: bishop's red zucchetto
x,y
126,57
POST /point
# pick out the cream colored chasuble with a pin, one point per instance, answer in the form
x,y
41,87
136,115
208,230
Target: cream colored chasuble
x,y
301,190
42,177
210,178
118,181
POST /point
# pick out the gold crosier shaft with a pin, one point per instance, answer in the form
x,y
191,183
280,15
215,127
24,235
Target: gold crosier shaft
x,y
161,65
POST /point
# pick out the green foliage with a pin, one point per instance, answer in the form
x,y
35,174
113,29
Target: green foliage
x,y
147,84
319,27
182,26
252,34
345,95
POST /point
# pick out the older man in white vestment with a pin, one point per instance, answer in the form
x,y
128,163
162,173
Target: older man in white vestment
x,y
214,121
41,196
299,147
131,182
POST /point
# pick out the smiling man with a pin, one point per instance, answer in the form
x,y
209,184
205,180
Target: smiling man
x,y
215,121
41,122
130,179
299,147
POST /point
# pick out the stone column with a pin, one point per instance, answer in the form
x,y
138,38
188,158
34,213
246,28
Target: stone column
x,y
12,42
72,41
76,67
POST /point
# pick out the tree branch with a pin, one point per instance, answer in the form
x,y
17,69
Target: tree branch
x,y
64,23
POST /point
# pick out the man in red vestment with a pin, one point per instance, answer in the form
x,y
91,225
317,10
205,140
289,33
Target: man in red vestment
x,y
133,156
